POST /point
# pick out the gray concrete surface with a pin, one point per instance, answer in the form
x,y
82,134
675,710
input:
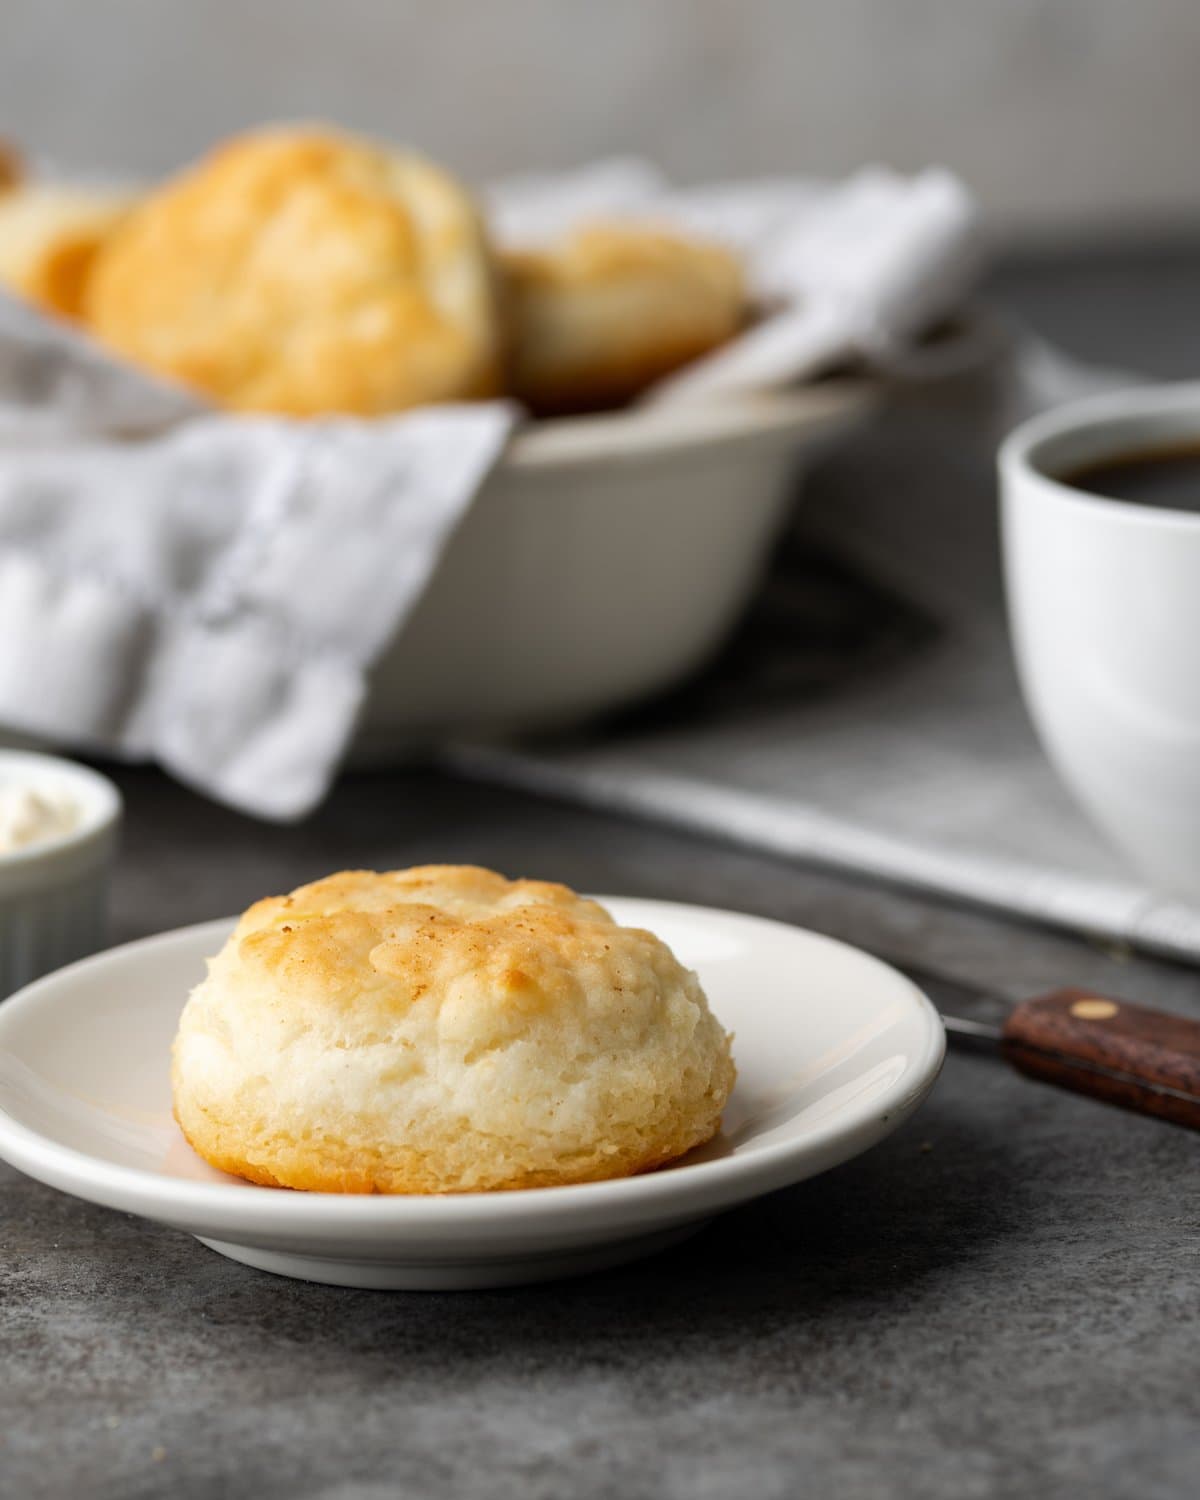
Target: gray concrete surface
x,y
1002,1300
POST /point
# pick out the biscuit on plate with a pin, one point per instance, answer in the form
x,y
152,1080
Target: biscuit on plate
x,y
605,312
303,271
50,237
441,1030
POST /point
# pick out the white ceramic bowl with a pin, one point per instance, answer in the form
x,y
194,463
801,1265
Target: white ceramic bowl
x,y
53,895
605,558
834,1050
1104,600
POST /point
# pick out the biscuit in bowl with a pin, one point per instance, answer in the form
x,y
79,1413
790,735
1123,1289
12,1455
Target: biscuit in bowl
x,y
51,235
303,271
12,168
602,314
443,1030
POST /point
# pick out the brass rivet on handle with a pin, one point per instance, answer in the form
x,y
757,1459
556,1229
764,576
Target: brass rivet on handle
x,y
1094,1010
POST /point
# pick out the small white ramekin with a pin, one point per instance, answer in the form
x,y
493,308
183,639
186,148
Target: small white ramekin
x,y
54,895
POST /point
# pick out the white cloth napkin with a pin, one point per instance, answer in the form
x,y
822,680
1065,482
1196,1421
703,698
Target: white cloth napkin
x,y
210,591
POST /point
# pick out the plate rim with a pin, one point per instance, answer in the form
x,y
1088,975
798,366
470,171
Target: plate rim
x,y
688,1190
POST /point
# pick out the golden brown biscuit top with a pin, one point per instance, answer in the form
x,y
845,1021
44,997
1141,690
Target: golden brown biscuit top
x,y
362,938
597,253
303,270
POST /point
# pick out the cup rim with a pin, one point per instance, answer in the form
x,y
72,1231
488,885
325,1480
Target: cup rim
x,y
1016,459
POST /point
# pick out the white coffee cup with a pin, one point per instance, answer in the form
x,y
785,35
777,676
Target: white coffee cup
x,y
1104,604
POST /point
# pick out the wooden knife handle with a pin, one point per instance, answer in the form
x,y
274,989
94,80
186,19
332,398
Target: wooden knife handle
x,y
1123,1053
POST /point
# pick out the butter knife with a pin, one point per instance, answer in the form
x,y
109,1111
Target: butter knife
x,y
1109,1048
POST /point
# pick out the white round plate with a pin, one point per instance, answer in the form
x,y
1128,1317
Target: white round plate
x,y
834,1049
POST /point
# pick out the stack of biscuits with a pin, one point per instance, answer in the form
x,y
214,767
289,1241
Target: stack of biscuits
x,y
305,271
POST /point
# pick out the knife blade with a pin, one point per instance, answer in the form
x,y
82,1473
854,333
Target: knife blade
x,y
1108,1048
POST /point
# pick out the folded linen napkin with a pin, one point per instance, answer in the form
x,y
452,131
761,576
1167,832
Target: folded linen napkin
x,y
212,599
210,590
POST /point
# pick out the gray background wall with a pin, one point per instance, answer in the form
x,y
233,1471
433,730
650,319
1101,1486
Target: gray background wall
x,y
1062,113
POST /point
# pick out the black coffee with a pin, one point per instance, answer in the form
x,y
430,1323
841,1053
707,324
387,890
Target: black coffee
x,y
1165,477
